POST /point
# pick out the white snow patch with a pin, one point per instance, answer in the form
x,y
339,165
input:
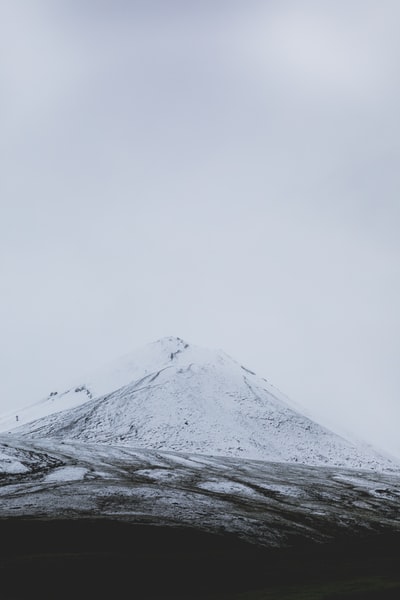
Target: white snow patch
x,y
285,490
159,474
357,481
11,466
69,473
228,487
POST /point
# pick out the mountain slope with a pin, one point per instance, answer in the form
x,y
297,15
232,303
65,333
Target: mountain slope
x,y
178,397
272,504
92,521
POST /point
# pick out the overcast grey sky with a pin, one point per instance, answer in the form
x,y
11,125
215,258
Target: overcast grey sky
x,y
225,171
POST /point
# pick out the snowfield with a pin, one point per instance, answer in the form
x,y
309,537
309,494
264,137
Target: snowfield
x,y
172,396
271,504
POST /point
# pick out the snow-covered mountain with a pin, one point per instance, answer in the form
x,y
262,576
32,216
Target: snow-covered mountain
x,y
173,396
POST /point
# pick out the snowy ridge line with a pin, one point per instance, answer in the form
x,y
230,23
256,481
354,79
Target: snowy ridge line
x,y
203,402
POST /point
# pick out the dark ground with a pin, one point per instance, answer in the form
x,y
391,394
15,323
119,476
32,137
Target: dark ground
x,y
86,559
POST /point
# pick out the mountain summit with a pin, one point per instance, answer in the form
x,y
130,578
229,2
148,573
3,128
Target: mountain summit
x,y
173,396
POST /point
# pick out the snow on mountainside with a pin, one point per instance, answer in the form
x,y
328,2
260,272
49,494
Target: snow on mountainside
x,y
174,396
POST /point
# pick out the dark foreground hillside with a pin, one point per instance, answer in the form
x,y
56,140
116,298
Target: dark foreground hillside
x,y
86,559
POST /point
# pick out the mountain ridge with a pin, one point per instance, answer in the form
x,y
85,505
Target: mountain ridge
x,y
171,395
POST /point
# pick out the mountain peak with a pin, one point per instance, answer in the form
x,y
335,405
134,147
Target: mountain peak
x,y
173,396
172,344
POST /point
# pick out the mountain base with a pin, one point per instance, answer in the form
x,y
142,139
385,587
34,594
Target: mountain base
x,y
99,559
